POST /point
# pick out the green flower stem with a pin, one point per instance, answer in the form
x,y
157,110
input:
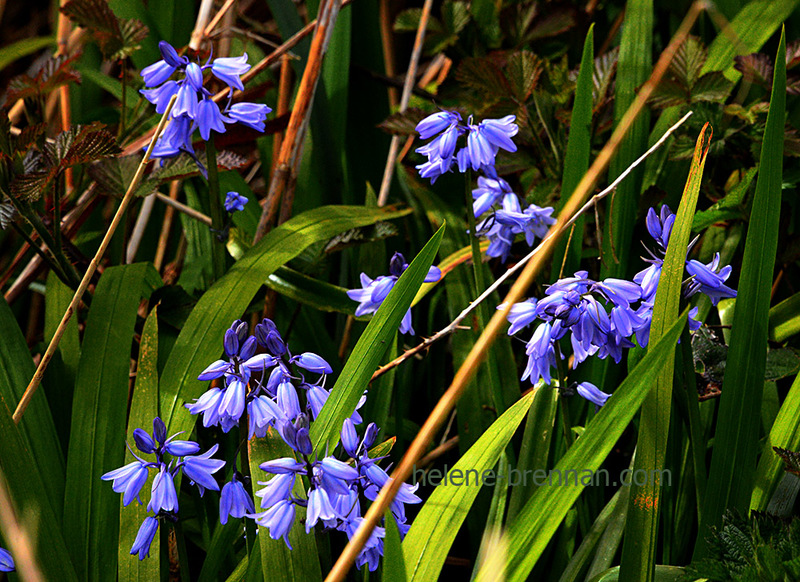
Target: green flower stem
x,y
473,236
218,248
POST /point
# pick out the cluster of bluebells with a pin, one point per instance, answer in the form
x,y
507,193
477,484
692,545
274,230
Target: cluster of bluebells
x,y
6,561
268,386
171,457
603,317
374,291
194,108
483,141
336,488
507,218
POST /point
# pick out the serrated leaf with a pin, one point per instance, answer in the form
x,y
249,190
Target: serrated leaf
x,y
54,73
554,22
781,363
403,123
522,72
117,38
7,214
408,21
755,68
483,76
455,16
603,75
689,60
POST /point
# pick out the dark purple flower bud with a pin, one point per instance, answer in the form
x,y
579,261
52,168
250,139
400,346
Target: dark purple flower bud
x,y
349,438
159,430
371,434
241,328
274,343
397,264
144,442
170,55
304,442
248,348
231,343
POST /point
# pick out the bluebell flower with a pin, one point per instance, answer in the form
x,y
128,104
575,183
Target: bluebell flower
x,y
438,122
199,468
234,500
709,279
488,193
487,138
229,69
163,494
234,202
253,115
144,538
6,561
128,479
278,520
373,292
592,393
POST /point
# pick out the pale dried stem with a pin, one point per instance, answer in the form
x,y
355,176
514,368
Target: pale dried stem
x,y
187,210
284,177
481,347
217,17
411,75
200,24
166,226
19,541
73,305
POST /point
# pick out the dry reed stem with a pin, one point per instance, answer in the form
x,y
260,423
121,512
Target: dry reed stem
x,y
18,538
200,24
411,74
166,226
284,176
73,305
498,321
387,44
217,17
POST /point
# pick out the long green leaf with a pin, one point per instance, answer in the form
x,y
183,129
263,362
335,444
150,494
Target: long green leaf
x,y
435,527
576,159
200,340
369,350
278,562
735,445
784,319
785,433
533,527
633,69
23,48
29,494
743,37
37,427
639,548
144,408
394,566
97,443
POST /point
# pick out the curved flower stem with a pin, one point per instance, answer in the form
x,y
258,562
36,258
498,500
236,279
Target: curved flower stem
x,y
215,206
87,277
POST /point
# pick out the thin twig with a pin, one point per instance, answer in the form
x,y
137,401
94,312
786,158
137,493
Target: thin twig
x,y
187,210
484,342
139,228
387,43
411,75
166,226
217,17
73,305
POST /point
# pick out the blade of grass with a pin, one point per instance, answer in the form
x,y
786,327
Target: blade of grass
x,y
97,441
435,527
576,159
735,444
144,408
641,540
394,566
